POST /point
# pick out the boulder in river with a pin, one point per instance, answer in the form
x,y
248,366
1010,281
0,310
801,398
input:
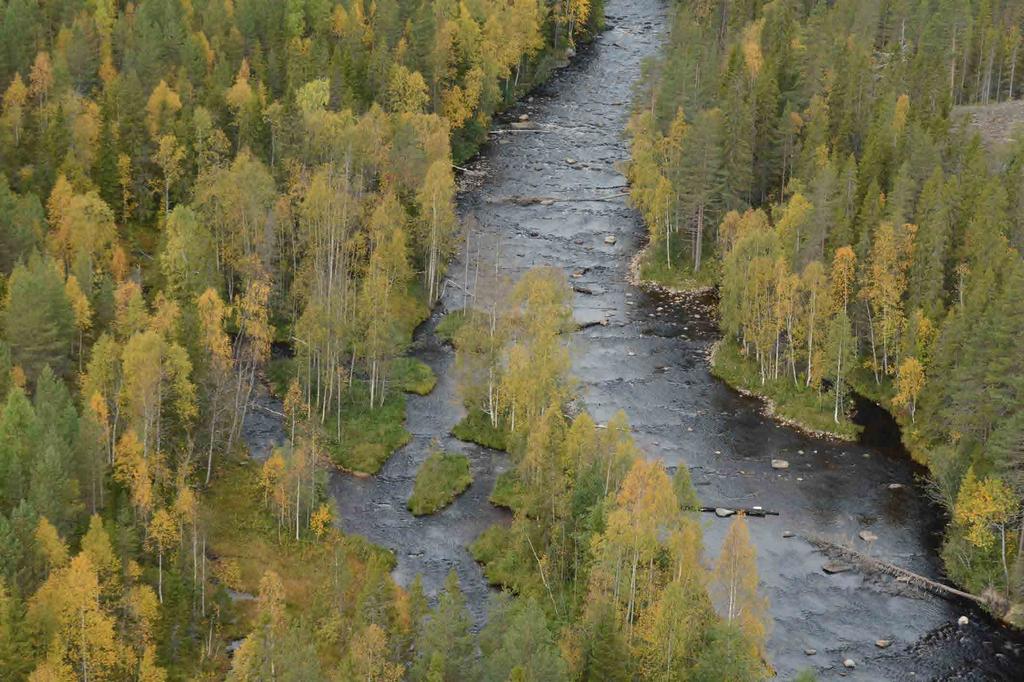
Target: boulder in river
x,y
610,239
788,533
834,567
962,620
722,512
848,663
867,536
524,117
810,652
571,161
895,486
780,464
883,643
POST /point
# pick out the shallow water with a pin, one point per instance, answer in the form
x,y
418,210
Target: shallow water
x,y
650,360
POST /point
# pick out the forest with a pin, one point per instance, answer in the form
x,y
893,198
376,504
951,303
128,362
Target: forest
x,y
196,195
812,162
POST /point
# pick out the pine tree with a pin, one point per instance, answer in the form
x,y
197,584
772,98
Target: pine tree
x,y
449,634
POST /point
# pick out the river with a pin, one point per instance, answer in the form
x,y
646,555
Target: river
x,y
650,360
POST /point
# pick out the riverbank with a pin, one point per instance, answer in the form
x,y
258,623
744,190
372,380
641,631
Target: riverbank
x,y
795,406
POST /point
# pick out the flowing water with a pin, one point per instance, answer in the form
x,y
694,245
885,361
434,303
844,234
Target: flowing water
x,y
650,360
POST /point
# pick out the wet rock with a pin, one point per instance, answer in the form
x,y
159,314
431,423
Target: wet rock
x,y
962,620
848,663
571,161
610,239
867,536
788,533
547,202
523,125
834,567
570,52
780,464
722,512
883,643
895,486
524,117
810,652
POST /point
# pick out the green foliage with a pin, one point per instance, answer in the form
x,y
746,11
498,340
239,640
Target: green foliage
x,y
413,376
807,409
38,321
368,436
441,478
476,427
507,490
447,329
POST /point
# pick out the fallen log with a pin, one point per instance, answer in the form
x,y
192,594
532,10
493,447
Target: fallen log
x,y
901,574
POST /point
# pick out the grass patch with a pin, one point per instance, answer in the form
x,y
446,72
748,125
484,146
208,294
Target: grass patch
x,y
504,562
680,276
412,376
450,325
368,436
441,478
801,406
246,540
507,490
476,427
448,328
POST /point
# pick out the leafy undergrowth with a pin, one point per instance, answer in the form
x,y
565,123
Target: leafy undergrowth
x,y
502,567
246,541
680,277
507,490
448,328
476,427
280,372
368,435
441,478
799,406
412,376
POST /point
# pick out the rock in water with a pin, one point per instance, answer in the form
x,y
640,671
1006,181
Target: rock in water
x,y
962,620
810,652
883,643
524,117
610,239
780,464
834,567
848,663
722,512
895,486
788,533
867,536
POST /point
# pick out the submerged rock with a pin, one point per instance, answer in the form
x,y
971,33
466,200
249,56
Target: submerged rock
x,y
834,567
810,652
867,536
788,533
780,464
610,239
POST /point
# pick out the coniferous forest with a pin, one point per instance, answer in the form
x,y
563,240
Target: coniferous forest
x,y
218,211
815,162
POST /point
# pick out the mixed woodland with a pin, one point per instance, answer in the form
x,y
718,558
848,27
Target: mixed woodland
x,y
811,161
199,198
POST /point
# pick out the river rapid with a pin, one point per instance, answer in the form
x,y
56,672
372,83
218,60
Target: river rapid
x,y
650,360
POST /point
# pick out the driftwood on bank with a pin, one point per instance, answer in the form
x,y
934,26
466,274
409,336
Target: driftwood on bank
x,y
901,574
